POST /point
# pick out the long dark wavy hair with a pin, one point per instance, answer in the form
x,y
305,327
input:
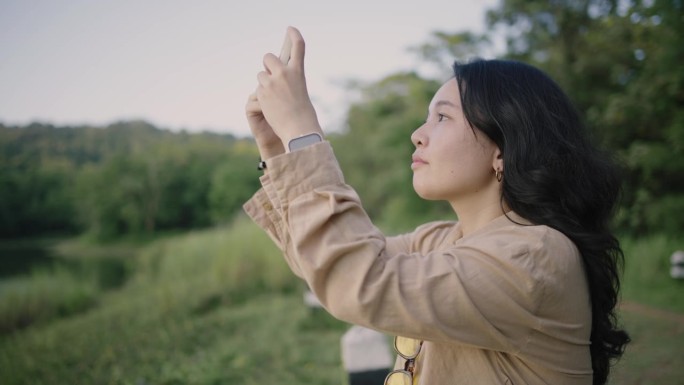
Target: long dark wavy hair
x,y
553,176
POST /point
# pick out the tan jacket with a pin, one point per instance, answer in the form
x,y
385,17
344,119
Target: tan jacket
x,y
506,304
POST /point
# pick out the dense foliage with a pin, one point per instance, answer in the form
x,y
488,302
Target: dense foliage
x,y
126,178
621,62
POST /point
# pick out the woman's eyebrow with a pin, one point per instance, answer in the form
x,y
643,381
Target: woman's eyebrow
x,y
440,103
445,103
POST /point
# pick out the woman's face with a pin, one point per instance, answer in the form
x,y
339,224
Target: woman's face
x,y
452,161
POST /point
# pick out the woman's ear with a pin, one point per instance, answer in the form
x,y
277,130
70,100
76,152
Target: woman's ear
x,y
497,163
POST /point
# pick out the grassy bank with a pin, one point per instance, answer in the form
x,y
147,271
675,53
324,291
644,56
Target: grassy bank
x,y
43,296
646,276
221,307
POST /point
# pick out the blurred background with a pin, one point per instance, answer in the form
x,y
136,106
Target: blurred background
x,y
125,159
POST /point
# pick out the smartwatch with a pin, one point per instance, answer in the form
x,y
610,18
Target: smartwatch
x,y
303,141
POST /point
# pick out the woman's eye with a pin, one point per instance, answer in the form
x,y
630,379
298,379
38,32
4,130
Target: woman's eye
x,y
440,118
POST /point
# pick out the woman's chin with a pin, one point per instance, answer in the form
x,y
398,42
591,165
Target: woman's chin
x,y
422,192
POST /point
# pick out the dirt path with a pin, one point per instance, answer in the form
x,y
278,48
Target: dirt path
x,y
634,307
654,354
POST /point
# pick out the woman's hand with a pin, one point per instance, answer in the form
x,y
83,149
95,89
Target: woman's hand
x,y
283,97
267,141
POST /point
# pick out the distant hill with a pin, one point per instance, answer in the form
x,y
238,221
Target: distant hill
x,y
124,178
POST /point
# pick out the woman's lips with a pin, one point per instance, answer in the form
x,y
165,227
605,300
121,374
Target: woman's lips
x,y
417,161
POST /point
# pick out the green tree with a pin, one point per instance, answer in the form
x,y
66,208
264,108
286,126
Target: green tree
x,y
35,184
120,196
620,61
163,185
35,201
443,48
126,178
232,184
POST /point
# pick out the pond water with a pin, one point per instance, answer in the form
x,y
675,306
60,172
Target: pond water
x,y
21,258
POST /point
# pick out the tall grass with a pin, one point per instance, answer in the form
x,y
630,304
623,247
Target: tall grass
x,y
210,307
229,264
59,289
220,306
42,296
646,277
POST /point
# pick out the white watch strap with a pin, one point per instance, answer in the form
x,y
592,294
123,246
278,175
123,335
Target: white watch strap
x,y
303,141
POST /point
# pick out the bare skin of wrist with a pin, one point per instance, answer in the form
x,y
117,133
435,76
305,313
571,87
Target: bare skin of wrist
x,y
269,151
301,131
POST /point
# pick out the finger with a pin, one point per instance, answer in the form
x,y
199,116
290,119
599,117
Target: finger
x,y
272,64
263,78
286,50
298,46
253,107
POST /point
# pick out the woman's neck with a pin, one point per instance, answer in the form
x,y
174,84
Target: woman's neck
x,y
474,216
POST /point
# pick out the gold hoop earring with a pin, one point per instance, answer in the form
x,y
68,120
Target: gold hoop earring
x,y
499,176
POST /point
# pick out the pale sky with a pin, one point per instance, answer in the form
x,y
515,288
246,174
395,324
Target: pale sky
x,y
191,64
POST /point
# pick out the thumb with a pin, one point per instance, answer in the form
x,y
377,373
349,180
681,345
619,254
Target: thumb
x,y
253,107
298,46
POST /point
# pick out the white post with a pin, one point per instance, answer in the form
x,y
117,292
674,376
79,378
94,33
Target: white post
x,y
366,356
677,265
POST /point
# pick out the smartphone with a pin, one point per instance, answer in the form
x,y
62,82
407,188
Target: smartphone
x,y
285,50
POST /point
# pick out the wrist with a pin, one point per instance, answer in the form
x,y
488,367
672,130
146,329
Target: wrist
x,y
270,151
302,141
302,125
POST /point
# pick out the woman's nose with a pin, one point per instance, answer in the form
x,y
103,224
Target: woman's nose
x,y
418,136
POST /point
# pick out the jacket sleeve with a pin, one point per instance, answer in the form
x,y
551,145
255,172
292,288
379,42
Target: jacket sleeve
x,y
265,211
462,293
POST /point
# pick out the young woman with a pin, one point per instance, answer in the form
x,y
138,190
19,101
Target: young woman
x,y
521,290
